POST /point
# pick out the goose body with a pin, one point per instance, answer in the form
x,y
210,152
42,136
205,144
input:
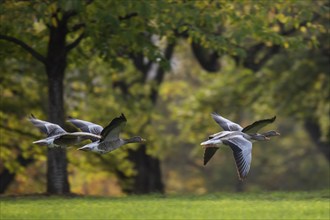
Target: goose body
x,y
219,138
57,136
110,139
238,139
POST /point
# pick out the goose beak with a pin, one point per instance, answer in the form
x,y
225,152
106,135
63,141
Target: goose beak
x,y
278,134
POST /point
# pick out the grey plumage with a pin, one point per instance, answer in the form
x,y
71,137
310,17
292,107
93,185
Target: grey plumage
x,y
110,139
238,139
86,126
57,136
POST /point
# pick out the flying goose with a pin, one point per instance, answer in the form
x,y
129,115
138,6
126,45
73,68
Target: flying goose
x,y
238,139
57,136
110,139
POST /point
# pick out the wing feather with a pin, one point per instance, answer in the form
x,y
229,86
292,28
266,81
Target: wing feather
x,y
242,151
86,126
111,132
226,124
75,137
256,126
208,153
46,127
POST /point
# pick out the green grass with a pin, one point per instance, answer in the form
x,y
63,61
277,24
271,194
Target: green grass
x,y
272,205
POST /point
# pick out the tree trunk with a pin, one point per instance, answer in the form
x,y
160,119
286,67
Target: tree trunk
x,y
7,177
55,63
57,175
208,59
148,178
314,132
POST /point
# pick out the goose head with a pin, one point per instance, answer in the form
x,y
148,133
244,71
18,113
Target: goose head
x,y
271,133
259,137
136,139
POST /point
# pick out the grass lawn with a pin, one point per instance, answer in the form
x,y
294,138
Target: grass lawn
x,y
265,205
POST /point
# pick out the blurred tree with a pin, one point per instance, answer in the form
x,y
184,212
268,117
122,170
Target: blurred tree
x,y
37,21
294,24
213,29
146,33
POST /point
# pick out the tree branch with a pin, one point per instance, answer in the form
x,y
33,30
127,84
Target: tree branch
x,y
314,132
68,14
167,54
208,59
160,72
128,16
77,27
250,60
75,42
138,60
26,47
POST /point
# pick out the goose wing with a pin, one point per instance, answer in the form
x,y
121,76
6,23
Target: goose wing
x,y
242,151
226,124
208,154
46,127
86,126
221,134
75,137
111,132
256,126
270,133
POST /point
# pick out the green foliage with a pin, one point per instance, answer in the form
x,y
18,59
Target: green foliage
x,y
116,30
243,97
300,86
276,205
20,96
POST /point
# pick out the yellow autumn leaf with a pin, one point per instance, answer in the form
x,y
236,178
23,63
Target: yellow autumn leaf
x,y
276,28
303,29
282,18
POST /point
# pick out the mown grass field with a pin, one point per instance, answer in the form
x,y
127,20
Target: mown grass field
x,y
272,205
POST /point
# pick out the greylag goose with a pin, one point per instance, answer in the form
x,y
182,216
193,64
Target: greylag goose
x,y
57,136
238,139
110,139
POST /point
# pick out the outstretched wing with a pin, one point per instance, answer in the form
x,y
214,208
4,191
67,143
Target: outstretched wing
x,y
86,126
226,124
270,134
111,132
256,126
46,127
242,151
75,138
208,153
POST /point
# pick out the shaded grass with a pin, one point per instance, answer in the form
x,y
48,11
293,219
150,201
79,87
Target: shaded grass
x,y
273,205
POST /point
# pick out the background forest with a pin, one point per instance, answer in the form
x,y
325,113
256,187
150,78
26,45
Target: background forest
x,y
166,65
